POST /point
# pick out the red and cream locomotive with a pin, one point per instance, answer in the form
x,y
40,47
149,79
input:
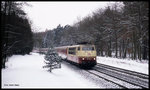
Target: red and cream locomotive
x,y
83,55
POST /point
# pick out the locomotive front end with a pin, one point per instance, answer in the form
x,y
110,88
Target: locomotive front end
x,y
87,55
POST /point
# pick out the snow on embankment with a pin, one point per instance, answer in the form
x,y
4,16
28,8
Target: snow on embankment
x,y
133,65
27,72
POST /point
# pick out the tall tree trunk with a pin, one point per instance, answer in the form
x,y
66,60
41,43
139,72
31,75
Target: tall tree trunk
x,y
135,45
120,51
145,51
116,46
109,50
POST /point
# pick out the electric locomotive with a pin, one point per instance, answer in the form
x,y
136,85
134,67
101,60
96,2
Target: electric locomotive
x,y
83,55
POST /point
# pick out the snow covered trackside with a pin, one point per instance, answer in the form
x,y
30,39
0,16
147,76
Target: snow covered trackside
x,y
133,65
27,72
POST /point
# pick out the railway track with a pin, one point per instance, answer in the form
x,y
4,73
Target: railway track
x,y
140,75
113,77
104,77
121,77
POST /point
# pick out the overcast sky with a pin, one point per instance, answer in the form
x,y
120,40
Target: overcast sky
x,y
48,15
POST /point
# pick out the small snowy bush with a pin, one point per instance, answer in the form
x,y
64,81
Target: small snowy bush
x,y
52,60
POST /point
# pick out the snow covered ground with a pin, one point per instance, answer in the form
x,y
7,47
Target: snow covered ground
x,y
27,72
133,65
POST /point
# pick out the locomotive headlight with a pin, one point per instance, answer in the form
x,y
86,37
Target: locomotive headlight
x,y
82,58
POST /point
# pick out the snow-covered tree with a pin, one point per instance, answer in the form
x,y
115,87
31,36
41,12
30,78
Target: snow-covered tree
x,y
16,33
52,60
136,14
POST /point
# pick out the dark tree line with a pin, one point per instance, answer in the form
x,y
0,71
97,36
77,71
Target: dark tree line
x,y
16,34
120,30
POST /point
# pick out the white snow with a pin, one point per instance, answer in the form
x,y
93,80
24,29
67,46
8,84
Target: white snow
x,y
27,72
133,65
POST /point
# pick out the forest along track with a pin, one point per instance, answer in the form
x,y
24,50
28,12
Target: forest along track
x,y
121,77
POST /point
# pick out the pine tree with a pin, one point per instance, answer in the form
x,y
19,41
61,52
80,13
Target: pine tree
x,y
52,60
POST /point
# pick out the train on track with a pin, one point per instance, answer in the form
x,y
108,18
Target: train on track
x,y
82,55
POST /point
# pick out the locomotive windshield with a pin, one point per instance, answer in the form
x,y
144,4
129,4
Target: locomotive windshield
x,y
88,48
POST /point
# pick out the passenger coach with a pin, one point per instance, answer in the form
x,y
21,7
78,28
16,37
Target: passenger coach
x,y
84,55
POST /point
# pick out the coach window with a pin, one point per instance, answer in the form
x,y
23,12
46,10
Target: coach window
x,y
72,51
78,48
87,48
